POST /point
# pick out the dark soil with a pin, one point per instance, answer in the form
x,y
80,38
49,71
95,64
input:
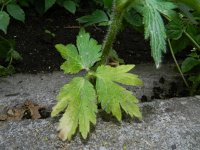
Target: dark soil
x,y
37,47
167,90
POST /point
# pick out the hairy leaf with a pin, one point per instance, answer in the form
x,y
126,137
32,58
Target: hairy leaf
x,y
166,8
112,96
4,21
154,26
97,16
79,99
84,57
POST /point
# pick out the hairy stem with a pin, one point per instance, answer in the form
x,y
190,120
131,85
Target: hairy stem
x,y
119,7
177,65
111,35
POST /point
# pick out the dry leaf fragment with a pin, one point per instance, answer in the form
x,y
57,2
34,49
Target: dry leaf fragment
x,y
28,110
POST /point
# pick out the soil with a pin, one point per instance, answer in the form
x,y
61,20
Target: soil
x,y
37,47
39,54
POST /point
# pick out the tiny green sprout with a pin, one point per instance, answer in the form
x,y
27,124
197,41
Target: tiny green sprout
x,y
50,33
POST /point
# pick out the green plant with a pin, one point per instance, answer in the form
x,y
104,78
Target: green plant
x,y
79,98
7,47
97,17
183,32
189,65
50,33
100,17
148,13
12,9
7,55
43,6
191,62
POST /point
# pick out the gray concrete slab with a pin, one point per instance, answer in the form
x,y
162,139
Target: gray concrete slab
x,y
167,124
43,88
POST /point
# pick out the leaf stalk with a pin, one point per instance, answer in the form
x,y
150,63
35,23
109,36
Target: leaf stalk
x,y
177,65
116,20
193,41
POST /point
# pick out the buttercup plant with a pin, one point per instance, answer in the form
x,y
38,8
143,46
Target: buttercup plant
x,y
100,84
79,98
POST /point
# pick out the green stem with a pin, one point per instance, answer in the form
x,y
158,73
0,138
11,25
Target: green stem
x,y
2,7
117,15
4,4
10,62
177,65
193,41
1,37
111,35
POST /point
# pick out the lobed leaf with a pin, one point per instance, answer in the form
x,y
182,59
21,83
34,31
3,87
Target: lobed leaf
x,y
119,74
84,57
73,60
79,99
175,29
166,8
89,50
154,26
112,96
